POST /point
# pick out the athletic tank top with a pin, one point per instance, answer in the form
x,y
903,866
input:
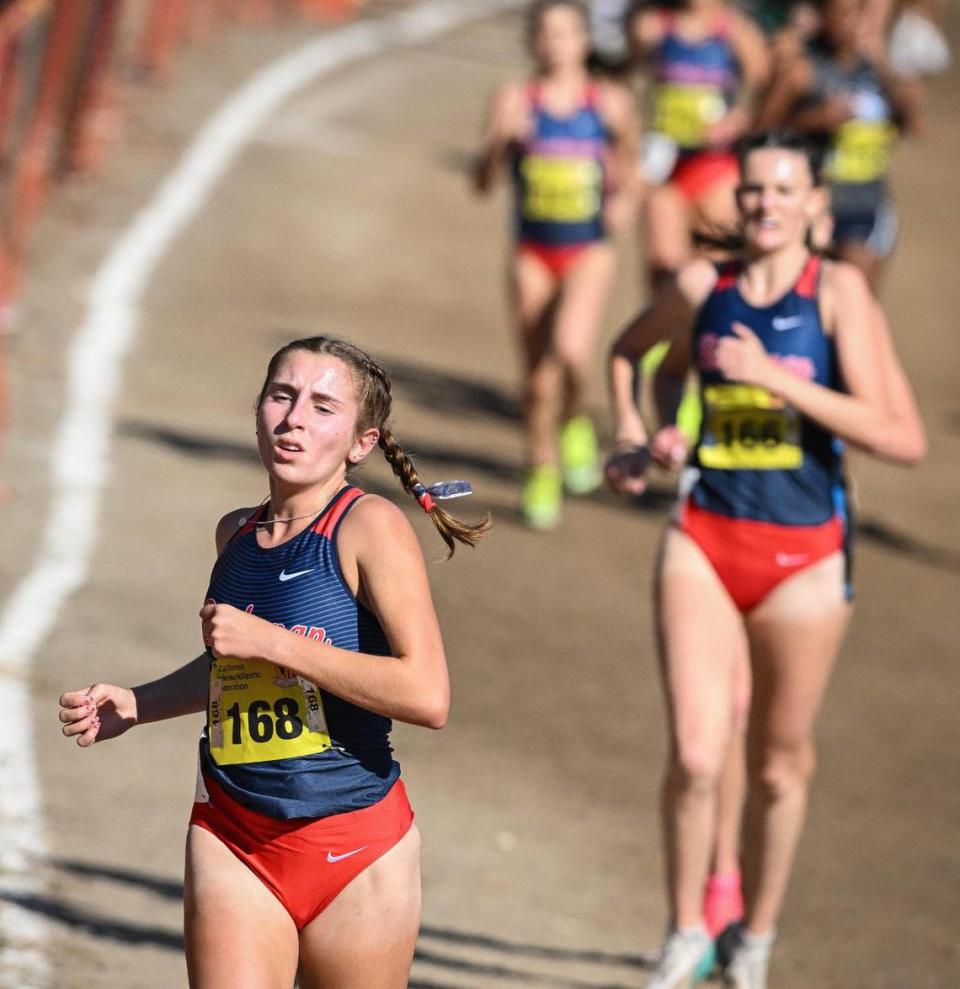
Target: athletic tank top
x,y
559,173
757,457
858,151
274,741
694,82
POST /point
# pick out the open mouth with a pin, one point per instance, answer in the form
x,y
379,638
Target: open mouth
x,y
288,447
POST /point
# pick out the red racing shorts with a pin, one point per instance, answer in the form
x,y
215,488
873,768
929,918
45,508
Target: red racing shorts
x,y
752,558
305,863
695,175
558,259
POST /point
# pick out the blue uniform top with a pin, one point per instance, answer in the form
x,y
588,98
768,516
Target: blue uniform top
x,y
559,174
757,457
694,82
273,741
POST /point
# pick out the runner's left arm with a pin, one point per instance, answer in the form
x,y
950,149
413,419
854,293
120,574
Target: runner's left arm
x,y
862,415
377,543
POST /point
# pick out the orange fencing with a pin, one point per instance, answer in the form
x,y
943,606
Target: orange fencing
x,y
67,68
63,67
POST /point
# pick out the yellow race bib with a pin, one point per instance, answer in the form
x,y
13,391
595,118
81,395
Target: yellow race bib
x,y
861,151
747,428
259,712
685,112
561,190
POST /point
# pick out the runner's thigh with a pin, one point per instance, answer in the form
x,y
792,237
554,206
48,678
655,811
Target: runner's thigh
x,y
366,937
238,934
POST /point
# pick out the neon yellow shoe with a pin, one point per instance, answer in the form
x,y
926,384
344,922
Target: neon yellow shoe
x,y
542,496
580,456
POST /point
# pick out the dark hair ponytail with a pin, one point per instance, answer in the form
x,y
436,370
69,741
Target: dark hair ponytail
x,y
374,401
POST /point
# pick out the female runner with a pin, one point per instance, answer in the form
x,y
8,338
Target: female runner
x,y
854,107
570,141
707,63
302,859
754,565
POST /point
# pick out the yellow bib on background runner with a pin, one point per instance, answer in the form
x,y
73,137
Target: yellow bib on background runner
x,y
684,112
259,712
561,190
747,428
861,151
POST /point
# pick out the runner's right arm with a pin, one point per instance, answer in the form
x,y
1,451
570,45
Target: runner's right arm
x,y
669,318
506,120
104,710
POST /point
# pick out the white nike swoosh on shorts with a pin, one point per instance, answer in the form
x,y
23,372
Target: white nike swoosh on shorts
x,y
336,858
791,559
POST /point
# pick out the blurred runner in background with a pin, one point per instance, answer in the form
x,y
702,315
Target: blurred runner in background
x,y
755,566
569,141
706,63
854,107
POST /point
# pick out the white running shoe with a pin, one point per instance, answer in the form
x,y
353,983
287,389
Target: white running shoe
x,y
680,957
748,958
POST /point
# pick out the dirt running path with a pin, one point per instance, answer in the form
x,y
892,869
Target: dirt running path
x,y
538,803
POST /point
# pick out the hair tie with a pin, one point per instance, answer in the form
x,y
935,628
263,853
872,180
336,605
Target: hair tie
x,y
441,491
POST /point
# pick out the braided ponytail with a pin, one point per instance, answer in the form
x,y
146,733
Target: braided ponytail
x,y
449,526
374,401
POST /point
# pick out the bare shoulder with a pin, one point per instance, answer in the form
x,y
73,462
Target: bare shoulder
x,y
844,291
695,280
229,525
376,525
510,96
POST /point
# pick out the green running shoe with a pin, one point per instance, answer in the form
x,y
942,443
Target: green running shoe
x,y
542,496
580,456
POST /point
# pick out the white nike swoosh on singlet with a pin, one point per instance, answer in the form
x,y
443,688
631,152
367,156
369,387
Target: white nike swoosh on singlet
x,y
299,573
787,322
336,858
791,559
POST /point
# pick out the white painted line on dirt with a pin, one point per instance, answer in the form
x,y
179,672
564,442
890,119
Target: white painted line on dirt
x,y
81,446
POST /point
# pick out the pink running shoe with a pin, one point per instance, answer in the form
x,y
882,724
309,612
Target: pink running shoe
x,y
722,902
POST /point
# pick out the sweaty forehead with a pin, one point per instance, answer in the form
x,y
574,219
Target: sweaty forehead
x,y
319,372
777,165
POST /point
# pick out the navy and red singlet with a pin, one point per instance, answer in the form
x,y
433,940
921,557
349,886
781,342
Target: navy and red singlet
x,y
694,85
273,741
299,784
559,174
768,495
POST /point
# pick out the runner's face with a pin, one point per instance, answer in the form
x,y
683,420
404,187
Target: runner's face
x,y
561,41
306,426
777,199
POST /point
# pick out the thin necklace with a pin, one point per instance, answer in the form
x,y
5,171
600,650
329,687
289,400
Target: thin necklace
x,y
293,518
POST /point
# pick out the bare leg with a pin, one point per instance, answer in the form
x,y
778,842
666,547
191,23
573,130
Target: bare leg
x,y
238,935
702,642
366,937
794,638
583,301
534,296
733,780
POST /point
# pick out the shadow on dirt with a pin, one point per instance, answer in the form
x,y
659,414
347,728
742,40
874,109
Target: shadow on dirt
x,y
497,958
476,464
